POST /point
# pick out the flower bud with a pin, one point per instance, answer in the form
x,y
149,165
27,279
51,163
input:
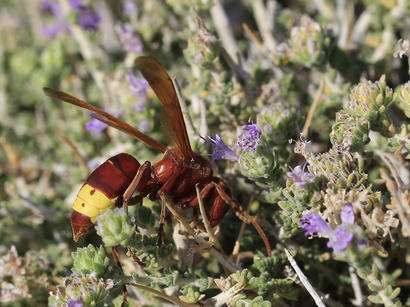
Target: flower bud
x,y
114,227
90,259
308,43
277,123
349,132
87,290
203,49
404,98
366,98
260,166
370,101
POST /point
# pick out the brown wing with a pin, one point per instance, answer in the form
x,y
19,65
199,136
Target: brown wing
x,y
163,87
105,117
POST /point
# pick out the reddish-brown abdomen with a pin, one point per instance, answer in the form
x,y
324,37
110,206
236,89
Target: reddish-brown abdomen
x,y
100,191
114,176
81,224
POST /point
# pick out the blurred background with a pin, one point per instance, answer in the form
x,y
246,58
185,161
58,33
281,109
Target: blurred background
x,y
232,59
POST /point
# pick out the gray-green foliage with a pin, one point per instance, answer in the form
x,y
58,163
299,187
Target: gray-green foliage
x,y
90,259
263,63
114,227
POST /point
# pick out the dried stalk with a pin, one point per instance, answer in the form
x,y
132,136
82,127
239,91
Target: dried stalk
x,y
304,280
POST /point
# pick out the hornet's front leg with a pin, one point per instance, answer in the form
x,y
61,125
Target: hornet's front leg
x,y
164,190
184,221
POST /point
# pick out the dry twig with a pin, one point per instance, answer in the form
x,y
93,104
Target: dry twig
x,y
358,301
312,109
223,28
160,294
304,280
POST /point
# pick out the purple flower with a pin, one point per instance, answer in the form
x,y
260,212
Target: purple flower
x,y
314,223
76,4
342,238
133,45
300,177
51,31
94,163
221,151
130,41
95,126
76,302
339,238
124,31
138,86
87,19
347,214
59,24
53,7
249,138
139,106
129,8
144,125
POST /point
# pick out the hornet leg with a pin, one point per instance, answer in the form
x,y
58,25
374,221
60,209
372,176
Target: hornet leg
x,y
142,177
242,214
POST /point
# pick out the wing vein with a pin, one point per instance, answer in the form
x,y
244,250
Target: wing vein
x,y
163,87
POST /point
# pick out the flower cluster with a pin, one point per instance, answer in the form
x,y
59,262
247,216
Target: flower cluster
x,y
138,86
307,44
59,24
366,109
250,138
369,97
342,236
129,8
21,277
86,19
276,122
81,290
129,40
404,98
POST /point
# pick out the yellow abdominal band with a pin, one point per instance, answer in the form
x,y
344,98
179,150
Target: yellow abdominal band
x,y
92,202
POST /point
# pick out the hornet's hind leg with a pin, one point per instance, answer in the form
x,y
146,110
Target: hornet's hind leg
x,y
241,213
141,182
